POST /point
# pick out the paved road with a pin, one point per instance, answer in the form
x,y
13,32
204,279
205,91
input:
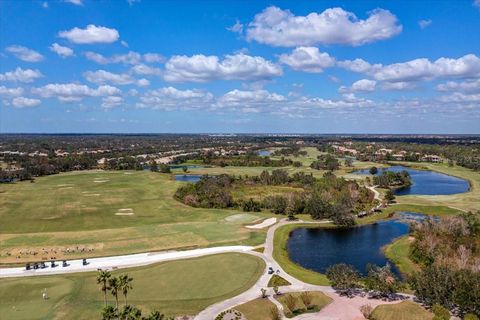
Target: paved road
x,y
120,262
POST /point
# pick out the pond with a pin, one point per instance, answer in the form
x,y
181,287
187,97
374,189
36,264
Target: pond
x,y
192,178
426,182
193,166
264,153
318,248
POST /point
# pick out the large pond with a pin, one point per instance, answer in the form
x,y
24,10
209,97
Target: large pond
x,y
318,248
426,182
192,178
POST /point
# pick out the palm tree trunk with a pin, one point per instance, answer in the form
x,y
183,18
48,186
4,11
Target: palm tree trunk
x,y
105,297
126,300
116,300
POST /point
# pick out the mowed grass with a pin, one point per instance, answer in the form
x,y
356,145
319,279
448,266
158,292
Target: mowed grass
x,y
406,310
81,209
258,309
398,252
182,287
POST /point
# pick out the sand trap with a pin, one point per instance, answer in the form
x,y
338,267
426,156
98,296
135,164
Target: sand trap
x,y
125,212
65,185
128,173
100,181
264,224
92,194
65,188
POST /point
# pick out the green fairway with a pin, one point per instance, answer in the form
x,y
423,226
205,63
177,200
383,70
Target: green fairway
x,y
109,213
175,288
406,310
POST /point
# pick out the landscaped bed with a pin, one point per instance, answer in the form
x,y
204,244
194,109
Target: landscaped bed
x,y
297,303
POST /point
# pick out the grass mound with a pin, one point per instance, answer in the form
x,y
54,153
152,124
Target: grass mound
x,y
277,281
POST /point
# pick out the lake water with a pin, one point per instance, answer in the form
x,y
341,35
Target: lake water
x,y
264,153
192,178
318,248
426,182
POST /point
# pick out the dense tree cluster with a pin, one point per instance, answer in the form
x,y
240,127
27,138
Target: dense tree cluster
x,y
326,198
249,160
294,151
379,282
326,162
448,251
390,179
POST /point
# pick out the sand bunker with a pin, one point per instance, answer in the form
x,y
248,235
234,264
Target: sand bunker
x,y
65,185
125,212
100,181
264,224
91,194
65,188
128,173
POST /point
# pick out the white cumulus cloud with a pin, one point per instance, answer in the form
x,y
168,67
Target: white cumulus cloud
x,y
21,75
363,85
24,53
201,68
277,27
10,92
22,102
91,34
308,59
62,51
73,92
102,77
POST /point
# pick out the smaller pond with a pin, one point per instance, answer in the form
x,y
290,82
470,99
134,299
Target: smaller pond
x,y
264,153
318,248
425,182
179,166
192,178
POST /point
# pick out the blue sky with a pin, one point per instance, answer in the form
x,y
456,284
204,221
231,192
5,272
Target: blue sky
x,y
240,66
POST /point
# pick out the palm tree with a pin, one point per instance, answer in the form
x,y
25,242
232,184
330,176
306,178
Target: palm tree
x,y
125,285
109,313
130,313
102,278
114,285
155,315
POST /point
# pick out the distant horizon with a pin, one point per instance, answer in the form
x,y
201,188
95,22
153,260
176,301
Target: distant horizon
x,y
241,133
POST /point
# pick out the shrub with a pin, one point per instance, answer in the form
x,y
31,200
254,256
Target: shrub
x,y
366,310
440,312
470,316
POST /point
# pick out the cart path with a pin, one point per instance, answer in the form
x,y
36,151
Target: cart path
x,y
119,262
